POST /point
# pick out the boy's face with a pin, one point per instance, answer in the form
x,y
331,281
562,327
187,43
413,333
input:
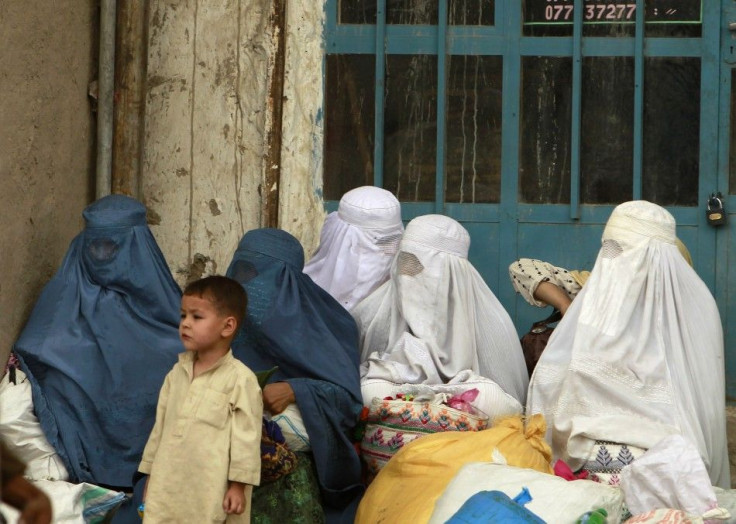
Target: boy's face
x,y
201,326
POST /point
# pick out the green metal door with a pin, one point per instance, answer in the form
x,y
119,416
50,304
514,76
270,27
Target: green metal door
x,y
725,282
529,120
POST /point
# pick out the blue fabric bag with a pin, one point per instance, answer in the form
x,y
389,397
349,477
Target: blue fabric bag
x,y
99,342
294,324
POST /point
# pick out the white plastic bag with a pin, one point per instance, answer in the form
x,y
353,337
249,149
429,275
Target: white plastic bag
x,y
73,503
292,428
554,499
670,474
22,434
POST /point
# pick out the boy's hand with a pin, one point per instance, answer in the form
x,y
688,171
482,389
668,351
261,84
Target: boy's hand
x,y
277,396
234,498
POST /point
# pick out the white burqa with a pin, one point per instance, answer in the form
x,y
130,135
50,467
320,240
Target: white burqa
x,y
357,244
639,353
436,317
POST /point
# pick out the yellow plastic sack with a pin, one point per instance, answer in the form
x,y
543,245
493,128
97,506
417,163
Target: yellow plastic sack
x,y
408,486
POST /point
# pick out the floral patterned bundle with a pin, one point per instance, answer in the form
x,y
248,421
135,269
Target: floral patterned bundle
x,y
393,423
277,460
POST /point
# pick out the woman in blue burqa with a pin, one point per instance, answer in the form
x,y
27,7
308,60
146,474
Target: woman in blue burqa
x,y
294,324
100,340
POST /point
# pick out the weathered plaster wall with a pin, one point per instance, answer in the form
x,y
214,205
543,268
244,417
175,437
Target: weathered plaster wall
x,y
205,127
48,54
301,206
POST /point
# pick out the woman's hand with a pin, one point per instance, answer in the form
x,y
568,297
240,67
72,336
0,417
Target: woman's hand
x,y
277,397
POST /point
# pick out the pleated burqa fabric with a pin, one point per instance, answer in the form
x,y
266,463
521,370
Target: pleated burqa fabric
x,y
99,342
639,354
436,317
294,324
357,245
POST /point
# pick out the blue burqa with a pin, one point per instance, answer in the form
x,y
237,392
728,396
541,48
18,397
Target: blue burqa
x,y
100,341
294,324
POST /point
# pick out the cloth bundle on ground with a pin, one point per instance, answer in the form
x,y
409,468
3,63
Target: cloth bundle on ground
x,y
639,354
407,487
357,245
391,424
436,317
100,340
671,475
553,499
74,503
21,432
294,324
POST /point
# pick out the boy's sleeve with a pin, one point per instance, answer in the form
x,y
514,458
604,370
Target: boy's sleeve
x,y
245,431
149,452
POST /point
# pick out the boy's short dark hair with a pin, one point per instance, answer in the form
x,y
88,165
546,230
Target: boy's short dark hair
x,y
227,295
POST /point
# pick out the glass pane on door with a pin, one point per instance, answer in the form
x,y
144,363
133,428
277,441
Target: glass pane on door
x,y
607,130
410,127
415,12
471,12
459,12
349,123
473,143
356,12
546,105
671,131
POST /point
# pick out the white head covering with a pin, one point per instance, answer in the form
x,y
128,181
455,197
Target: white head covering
x,y
639,354
357,244
436,317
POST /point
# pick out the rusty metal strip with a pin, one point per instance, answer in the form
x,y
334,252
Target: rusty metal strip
x,y
272,170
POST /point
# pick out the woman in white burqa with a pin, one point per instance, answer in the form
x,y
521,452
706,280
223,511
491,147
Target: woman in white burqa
x,y
357,245
436,322
639,354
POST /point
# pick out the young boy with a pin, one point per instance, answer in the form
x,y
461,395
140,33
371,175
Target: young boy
x,y
203,455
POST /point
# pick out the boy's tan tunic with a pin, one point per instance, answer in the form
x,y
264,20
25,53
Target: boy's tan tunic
x,y
207,432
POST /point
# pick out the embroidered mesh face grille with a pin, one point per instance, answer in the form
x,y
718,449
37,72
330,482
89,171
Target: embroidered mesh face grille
x,y
409,264
244,271
611,249
102,249
389,244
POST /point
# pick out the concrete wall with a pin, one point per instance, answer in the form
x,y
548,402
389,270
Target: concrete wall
x,y
48,54
206,127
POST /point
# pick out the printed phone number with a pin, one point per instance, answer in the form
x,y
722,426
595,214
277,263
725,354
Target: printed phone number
x,y
592,12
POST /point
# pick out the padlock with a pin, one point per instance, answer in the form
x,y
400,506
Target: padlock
x,y
715,213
